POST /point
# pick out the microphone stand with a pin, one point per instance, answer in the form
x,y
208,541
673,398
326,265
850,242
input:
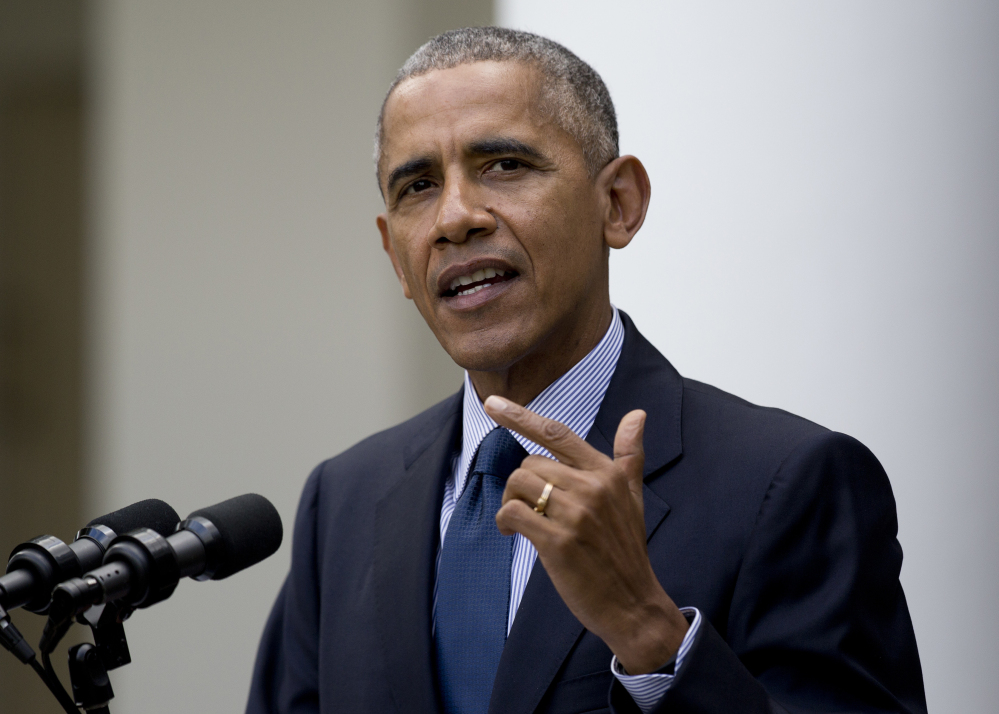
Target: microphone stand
x,y
91,686
89,663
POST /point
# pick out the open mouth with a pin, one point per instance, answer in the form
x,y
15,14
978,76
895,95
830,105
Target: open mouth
x,y
474,282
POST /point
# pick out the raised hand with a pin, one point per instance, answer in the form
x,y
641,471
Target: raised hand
x,y
591,534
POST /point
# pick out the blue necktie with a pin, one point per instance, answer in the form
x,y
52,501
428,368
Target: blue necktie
x,y
473,583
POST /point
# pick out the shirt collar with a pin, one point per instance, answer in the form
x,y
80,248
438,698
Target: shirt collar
x,y
573,399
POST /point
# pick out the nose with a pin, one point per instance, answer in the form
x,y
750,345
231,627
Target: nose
x,y
461,214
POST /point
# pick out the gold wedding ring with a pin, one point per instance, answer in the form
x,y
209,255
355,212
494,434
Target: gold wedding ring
x,y
543,501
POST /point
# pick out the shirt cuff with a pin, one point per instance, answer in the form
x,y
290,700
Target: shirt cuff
x,y
647,690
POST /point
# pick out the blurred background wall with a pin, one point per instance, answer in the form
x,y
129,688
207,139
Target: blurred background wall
x,y
195,303
239,320
41,287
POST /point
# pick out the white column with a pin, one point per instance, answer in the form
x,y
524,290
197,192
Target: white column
x,y
824,237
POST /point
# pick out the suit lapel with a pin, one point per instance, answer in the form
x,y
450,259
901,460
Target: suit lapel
x,y
407,531
545,631
644,379
654,507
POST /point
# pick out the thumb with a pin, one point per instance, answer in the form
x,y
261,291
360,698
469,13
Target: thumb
x,y
629,451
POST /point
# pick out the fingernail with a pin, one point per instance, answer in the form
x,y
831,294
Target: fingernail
x,y
639,422
497,404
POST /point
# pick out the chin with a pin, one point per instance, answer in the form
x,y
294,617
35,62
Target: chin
x,y
487,351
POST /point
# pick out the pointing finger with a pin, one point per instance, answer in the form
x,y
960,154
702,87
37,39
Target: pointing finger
x,y
559,439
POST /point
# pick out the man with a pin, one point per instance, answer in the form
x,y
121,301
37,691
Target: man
x,y
485,556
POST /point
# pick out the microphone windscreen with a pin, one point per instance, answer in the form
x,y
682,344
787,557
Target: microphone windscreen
x,y
151,513
250,528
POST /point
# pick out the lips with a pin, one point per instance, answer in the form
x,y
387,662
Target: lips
x,y
469,283
472,282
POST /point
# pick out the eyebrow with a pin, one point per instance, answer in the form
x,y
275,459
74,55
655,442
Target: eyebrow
x,y
504,145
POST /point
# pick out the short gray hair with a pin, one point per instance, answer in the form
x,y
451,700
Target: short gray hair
x,y
573,93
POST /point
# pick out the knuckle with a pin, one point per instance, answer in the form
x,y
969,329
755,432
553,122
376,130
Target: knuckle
x,y
554,431
518,479
575,517
594,489
603,488
508,514
533,461
578,517
507,520
588,520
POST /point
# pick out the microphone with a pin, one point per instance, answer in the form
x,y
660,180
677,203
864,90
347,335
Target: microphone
x,y
37,566
143,568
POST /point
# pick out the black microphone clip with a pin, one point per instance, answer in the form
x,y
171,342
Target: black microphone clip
x,y
12,640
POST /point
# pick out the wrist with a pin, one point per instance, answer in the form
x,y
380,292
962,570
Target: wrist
x,y
651,636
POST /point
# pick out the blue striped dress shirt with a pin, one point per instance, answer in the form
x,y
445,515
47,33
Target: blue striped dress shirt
x,y
574,399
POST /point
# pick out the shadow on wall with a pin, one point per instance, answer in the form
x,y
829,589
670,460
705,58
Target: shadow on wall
x,y
41,150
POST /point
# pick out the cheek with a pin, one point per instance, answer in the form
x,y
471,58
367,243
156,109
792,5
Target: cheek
x,y
566,239
412,254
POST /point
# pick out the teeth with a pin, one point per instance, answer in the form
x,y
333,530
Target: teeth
x,y
476,277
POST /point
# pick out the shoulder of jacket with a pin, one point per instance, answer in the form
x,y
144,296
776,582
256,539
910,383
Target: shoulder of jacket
x,y
399,442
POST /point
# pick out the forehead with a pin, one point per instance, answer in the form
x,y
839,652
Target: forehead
x,y
451,106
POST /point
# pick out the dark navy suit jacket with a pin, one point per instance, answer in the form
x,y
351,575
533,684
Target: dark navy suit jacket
x,y
780,531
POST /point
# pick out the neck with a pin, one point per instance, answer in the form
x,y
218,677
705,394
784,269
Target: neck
x,y
559,352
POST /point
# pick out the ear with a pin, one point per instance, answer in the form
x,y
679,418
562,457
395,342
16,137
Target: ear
x,y
382,222
625,184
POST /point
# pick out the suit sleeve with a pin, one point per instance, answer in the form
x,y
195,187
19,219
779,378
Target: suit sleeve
x,y
285,677
818,621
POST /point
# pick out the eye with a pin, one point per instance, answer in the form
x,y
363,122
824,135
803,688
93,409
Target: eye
x,y
418,186
508,164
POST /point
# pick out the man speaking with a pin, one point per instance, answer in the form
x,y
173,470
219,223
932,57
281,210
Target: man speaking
x,y
579,529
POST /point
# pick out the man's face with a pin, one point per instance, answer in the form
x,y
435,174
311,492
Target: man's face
x,y
492,221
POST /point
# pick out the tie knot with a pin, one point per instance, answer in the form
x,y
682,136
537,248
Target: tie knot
x,y
499,454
